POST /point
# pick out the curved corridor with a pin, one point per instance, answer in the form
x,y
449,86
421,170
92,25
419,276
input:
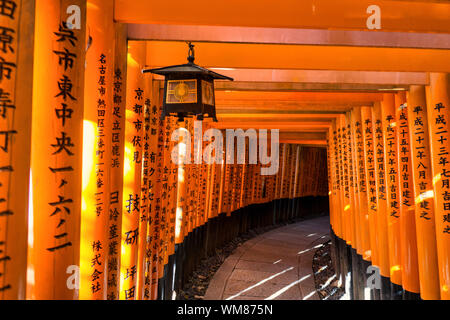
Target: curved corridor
x,y
276,265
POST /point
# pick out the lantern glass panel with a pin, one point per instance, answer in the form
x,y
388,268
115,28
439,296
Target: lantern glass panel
x,y
207,93
181,91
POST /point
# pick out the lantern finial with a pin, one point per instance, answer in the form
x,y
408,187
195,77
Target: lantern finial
x,y
191,53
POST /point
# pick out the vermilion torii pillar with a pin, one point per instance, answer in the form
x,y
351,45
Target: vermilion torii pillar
x,y
423,187
438,108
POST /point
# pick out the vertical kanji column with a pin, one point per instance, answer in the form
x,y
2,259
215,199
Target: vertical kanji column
x,y
356,184
369,156
144,217
343,170
390,128
337,186
410,274
16,83
117,164
159,221
380,173
57,147
351,186
362,183
154,190
129,235
438,110
423,189
330,163
97,129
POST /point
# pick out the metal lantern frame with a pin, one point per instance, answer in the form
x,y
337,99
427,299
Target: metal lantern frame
x,y
179,77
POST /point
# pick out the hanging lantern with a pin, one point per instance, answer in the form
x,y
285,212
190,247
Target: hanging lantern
x,y
188,89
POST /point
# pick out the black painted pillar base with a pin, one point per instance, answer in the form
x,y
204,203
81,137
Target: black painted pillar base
x,y
407,295
162,285
385,293
396,292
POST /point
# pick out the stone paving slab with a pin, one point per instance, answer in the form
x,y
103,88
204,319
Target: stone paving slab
x,y
256,276
263,266
274,265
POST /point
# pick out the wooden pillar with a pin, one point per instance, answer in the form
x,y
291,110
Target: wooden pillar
x,y
353,172
345,192
371,181
159,220
181,185
438,109
135,100
97,133
16,84
166,181
390,129
190,187
349,183
423,189
380,173
58,94
363,186
114,247
337,180
173,183
410,273
144,215
154,189
356,184
331,179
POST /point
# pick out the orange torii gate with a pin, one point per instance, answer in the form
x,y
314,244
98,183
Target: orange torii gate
x,y
93,206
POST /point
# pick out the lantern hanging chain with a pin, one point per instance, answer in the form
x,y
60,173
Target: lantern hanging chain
x,y
191,53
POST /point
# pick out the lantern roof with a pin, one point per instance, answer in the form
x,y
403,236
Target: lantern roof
x,y
188,68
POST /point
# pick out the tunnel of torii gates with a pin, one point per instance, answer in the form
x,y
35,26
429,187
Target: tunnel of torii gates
x,y
91,205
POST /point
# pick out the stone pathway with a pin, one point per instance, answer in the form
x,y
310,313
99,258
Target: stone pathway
x,y
276,265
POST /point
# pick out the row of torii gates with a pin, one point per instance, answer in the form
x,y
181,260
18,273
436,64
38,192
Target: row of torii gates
x,y
91,205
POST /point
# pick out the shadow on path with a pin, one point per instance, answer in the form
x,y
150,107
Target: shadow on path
x,y
276,265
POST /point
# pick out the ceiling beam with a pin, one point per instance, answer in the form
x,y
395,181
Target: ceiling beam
x,y
288,36
287,108
311,77
326,76
245,117
303,136
282,126
306,143
404,16
223,97
293,86
307,57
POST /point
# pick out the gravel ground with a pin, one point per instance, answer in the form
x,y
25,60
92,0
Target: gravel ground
x,y
325,275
